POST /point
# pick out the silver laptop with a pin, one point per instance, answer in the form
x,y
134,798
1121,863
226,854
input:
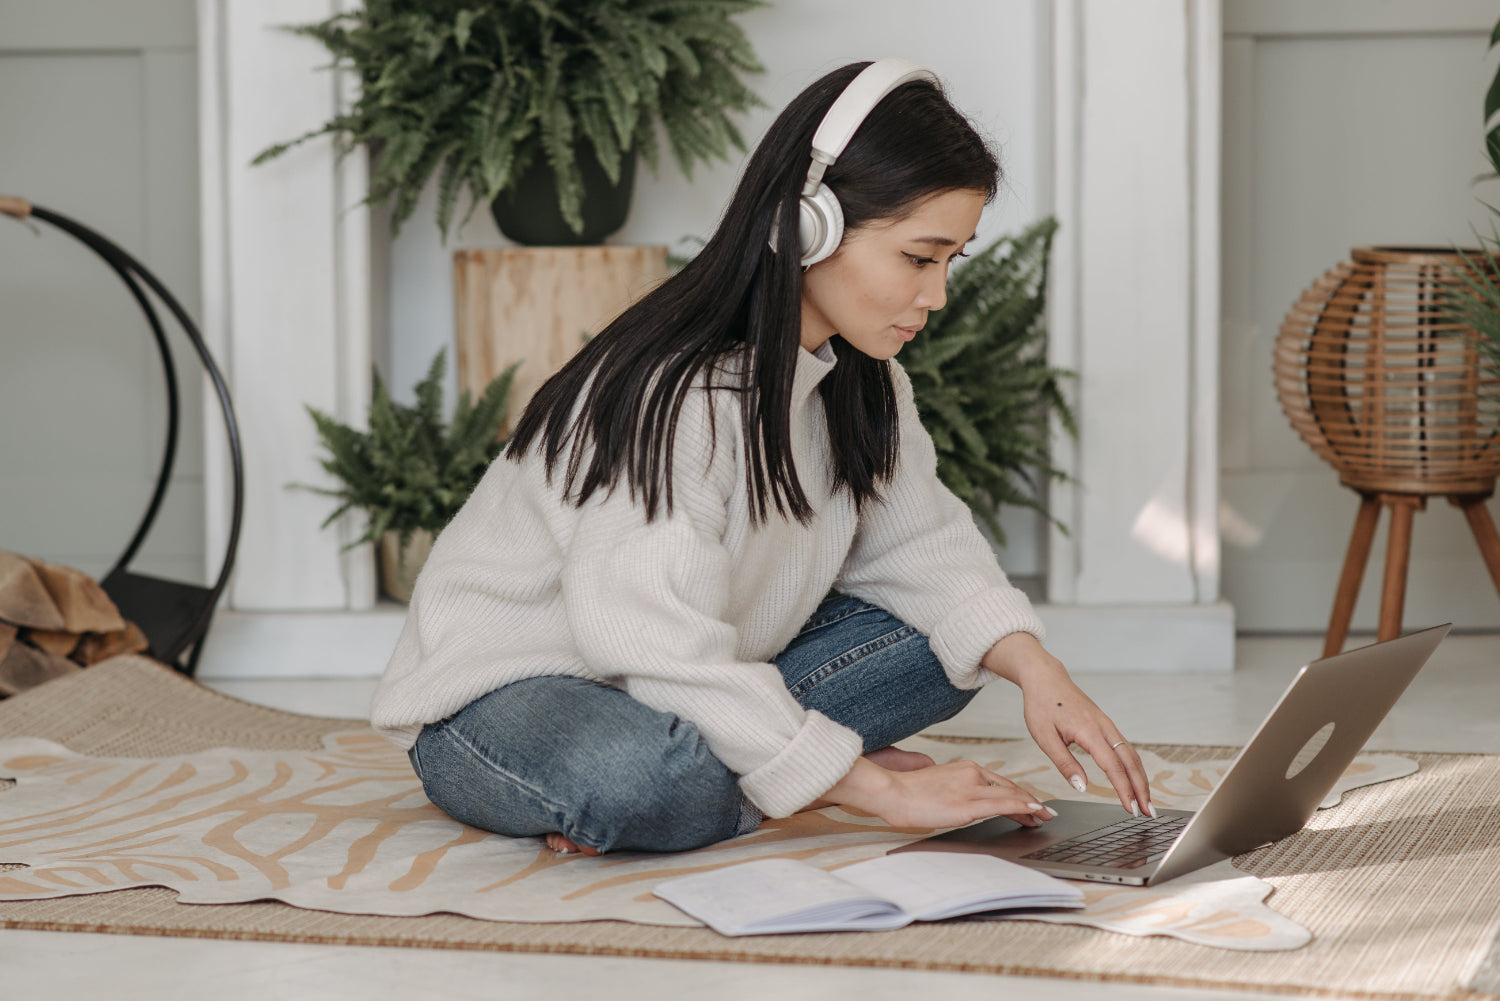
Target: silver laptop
x,y
1275,784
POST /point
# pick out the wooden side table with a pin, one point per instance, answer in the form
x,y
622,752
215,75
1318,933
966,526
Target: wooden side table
x,y
537,305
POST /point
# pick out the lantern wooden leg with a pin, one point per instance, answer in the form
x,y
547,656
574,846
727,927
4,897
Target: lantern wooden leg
x,y
1483,527
1397,562
1355,560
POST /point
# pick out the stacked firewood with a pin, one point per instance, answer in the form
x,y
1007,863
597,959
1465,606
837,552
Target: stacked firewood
x,y
55,620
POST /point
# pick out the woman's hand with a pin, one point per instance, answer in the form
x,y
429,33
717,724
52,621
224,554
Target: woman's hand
x,y
956,794
1058,714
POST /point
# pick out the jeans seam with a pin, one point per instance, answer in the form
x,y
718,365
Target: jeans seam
x,y
848,657
848,607
557,808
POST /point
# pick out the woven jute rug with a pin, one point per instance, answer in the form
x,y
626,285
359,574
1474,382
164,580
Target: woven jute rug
x,y
1400,884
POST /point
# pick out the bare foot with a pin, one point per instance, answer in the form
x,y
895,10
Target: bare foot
x,y
563,846
896,760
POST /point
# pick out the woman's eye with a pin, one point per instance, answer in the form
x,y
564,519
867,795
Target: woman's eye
x,y
922,262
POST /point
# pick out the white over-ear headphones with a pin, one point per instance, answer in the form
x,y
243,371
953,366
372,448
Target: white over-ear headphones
x,y
820,225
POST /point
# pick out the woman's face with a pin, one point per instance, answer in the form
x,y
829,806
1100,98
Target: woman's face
x,y
876,290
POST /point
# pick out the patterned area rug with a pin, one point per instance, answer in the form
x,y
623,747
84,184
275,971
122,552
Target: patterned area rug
x,y
346,828
1397,884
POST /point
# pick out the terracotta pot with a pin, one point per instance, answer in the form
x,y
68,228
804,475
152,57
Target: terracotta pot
x,y
399,565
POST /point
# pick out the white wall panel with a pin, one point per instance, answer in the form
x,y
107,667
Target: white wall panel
x,y
281,260
98,119
285,257
1136,269
1135,297
1354,128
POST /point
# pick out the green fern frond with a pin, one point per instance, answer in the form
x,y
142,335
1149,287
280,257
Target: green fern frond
x,y
983,386
1474,299
410,470
477,91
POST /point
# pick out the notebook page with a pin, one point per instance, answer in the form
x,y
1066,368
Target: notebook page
x,y
933,885
777,895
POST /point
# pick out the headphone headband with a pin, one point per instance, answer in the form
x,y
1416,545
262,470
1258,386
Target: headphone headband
x,y
864,92
820,217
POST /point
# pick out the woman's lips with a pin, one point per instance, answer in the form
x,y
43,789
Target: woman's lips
x,y
907,333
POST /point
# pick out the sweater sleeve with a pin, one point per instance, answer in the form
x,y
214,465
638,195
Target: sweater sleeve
x,y
646,606
918,554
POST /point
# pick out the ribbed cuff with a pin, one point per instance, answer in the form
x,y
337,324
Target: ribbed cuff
x,y
966,634
402,736
815,759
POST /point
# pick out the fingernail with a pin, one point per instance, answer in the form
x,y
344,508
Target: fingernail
x,y
1035,806
1135,809
1079,784
1050,812
1151,809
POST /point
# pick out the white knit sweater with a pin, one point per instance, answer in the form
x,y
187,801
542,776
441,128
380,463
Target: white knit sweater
x,y
683,613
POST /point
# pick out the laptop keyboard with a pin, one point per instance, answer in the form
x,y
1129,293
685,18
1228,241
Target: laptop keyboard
x,y
1128,844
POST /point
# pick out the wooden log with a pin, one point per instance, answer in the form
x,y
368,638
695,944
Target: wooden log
x,y
538,305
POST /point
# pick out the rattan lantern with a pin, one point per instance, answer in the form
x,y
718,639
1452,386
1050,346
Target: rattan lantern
x,y
1392,394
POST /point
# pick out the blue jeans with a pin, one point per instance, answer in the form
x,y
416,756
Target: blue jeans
x,y
576,756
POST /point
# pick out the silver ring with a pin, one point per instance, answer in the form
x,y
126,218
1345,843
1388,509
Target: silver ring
x,y
1117,744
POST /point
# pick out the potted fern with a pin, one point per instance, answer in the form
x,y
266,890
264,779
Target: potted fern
x,y
982,382
539,108
412,471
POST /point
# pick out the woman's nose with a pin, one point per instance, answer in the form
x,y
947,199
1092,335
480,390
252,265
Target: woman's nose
x,y
933,293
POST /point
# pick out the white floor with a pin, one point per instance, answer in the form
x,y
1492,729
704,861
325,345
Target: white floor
x,y
1450,707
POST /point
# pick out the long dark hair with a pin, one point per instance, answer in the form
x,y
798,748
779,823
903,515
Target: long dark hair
x,y
737,295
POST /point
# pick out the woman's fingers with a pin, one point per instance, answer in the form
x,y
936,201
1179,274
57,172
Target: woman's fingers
x,y
1135,771
1061,715
1034,813
1055,748
1058,714
957,794
1122,766
1118,760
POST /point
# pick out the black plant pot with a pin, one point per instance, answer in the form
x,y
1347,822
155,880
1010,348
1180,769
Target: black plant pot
x,y
528,212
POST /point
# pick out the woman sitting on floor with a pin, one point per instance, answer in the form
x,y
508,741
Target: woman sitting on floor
x,y
715,575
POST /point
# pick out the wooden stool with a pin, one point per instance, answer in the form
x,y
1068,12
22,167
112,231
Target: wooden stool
x,y
1398,557
1390,389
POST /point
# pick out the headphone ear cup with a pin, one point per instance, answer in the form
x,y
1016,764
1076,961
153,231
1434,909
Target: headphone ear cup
x,y
820,226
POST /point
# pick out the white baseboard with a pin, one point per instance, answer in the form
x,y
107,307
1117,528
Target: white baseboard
x,y
301,644
1087,638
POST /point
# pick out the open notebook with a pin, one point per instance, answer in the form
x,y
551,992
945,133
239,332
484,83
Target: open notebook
x,y
775,895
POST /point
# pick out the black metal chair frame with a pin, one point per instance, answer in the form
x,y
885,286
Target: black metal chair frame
x,y
174,616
